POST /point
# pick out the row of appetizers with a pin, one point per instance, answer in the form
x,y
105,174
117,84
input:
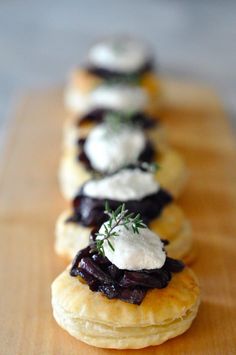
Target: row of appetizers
x,y
126,287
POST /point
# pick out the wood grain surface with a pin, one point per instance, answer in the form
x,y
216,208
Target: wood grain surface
x,y
30,203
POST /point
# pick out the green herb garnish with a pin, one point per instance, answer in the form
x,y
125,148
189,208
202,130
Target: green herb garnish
x,y
150,167
115,121
125,79
119,217
118,47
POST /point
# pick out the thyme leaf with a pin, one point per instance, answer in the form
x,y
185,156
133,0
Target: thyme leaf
x,y
115,121
119,217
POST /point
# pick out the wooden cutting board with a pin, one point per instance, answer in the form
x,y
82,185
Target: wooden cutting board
x,y
30,203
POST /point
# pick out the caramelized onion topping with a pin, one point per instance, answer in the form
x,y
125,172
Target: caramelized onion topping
x,y
89,211
108,74
129,286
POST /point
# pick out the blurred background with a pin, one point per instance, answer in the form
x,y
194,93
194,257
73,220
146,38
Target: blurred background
x,y
41,40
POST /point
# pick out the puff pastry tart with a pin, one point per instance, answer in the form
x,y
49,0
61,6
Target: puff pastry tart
x,y
119,75
108,148
123,291
141,192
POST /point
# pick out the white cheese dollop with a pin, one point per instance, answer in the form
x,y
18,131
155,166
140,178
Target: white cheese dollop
x,y
117,97
121,54
134,251
125,185
109,150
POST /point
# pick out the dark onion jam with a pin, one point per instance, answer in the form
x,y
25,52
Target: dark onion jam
x,y
89,211
108,74
98,115
129,286
146,156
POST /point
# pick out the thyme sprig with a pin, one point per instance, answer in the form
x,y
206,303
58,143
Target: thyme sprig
x,y
118,47
115,121
132,79
150,167
119,217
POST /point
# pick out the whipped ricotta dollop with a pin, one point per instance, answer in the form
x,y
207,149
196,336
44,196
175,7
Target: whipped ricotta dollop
x,y
109,150
117,97
121,54
125,185
134,251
